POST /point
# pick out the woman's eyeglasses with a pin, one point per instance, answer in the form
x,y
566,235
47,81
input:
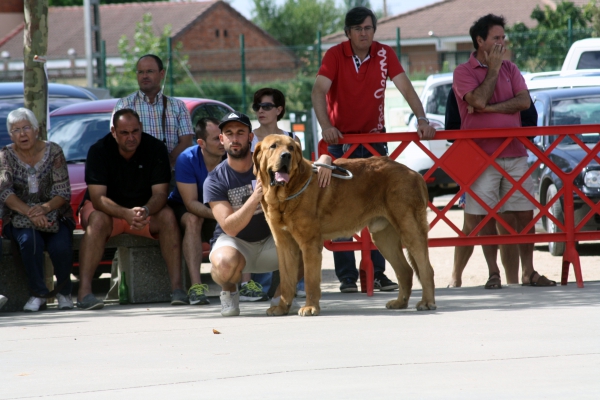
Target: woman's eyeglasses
x,y
25,129
264,106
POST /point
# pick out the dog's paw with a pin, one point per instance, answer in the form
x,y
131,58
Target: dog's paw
x,y
396,304
426,305
309,311
276,311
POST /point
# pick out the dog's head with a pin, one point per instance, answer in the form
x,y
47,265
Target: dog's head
x,y
277,159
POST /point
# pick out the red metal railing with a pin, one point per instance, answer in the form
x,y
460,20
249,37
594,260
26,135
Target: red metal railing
x,y
464,161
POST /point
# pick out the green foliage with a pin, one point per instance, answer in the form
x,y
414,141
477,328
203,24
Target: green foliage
x,y
357,3
145,41
297,22
544,47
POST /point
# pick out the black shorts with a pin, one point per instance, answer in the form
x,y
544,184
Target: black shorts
x,y
208,226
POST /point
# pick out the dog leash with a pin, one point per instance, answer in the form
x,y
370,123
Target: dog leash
x,y
331,167
334,168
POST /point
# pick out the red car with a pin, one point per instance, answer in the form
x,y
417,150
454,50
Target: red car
x,y
76,127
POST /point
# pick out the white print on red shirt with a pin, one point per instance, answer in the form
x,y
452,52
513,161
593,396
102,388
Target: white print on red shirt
x,y
379,93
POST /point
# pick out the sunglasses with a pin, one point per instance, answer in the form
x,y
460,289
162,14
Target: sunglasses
x,y
264,106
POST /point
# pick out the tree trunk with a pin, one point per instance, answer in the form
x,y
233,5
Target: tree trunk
x,y
35,43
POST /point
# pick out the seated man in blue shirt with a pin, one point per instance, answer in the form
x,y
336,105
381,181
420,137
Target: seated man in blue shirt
x,y
196,219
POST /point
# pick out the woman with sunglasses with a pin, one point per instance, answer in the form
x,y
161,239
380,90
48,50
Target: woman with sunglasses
x,y
34,202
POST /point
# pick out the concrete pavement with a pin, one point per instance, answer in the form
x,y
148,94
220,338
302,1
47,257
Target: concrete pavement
x,y
517,343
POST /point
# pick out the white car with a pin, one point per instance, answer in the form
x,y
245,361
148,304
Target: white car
x,y
433,97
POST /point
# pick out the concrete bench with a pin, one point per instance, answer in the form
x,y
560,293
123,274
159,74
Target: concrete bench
x,y
139,257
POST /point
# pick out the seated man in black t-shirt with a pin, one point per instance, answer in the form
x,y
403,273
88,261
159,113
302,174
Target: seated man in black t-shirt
x,y
128,174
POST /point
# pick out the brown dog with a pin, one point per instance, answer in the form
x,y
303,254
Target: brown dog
x,y
386,196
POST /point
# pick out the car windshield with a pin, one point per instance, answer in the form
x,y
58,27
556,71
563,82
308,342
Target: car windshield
x,y
7,105
76,133
576,112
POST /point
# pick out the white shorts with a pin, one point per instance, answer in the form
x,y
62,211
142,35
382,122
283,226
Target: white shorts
x,y
260,256
491,186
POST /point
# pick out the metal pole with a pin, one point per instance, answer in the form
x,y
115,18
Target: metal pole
x,y
171,66
570,31
87,23
103,63
398,48
319,55
243,60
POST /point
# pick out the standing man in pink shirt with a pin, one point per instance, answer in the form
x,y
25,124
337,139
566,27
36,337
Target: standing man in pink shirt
x,y
348,97
491,93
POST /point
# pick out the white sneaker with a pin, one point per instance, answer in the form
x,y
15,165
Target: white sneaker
x,y
35,304
64,302
293,309
230,305
3,300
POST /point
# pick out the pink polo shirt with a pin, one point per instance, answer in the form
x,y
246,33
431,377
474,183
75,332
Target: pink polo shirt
x,y
467,77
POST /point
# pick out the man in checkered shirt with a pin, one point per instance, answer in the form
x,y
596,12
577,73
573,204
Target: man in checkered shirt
x,y
149,103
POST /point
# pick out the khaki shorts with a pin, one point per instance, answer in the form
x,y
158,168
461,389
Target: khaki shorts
x,y
260,256
491,186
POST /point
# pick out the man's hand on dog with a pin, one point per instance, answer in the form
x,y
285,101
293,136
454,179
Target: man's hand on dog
x,y
331,135
425,131
257,195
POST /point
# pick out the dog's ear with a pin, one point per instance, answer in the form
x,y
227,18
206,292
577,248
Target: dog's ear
x,y
256,156
298,157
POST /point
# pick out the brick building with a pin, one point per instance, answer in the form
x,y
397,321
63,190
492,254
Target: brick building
x,y
208,30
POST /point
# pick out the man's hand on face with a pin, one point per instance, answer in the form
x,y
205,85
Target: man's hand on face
x,y
139,219
331,135
425,131
495,56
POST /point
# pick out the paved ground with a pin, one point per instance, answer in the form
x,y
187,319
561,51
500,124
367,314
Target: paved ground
x,y
518,342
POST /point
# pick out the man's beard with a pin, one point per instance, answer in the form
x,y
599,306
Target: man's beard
x,y
241,153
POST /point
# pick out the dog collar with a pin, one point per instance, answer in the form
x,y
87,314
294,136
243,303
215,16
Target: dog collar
x,y
301,190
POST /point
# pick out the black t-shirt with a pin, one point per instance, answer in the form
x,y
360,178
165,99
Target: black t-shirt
x,y
128,182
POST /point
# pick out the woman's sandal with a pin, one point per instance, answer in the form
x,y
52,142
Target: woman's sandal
x,y
541,282
493,282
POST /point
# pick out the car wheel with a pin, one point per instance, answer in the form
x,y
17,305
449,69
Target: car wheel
x,y
556,248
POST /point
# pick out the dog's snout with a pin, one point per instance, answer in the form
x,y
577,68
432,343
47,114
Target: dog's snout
x,y
286,156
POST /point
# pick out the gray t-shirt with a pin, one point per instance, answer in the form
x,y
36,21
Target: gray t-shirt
x,y
225,184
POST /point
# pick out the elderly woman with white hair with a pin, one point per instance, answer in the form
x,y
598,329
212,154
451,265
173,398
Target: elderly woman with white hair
x,y
34,202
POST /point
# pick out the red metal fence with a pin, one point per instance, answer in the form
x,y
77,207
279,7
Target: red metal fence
x,y
464,161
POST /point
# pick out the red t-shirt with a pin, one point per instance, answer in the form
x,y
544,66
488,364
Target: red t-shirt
x,y
355,99
467,77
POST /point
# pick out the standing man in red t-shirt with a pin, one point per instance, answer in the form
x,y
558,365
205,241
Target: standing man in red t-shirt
x,y
491,93
348,98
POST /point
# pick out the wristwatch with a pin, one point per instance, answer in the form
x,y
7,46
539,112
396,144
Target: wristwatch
x,y
421,118
147,211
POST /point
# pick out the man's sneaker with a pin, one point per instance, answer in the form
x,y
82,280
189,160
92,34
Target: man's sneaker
x,y
90,302
35,304
383,284
230,304
300,292
179,298
293,308
348,286
197,294
252,291
64,302
3,300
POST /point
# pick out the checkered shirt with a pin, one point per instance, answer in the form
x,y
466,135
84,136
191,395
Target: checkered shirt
x,y
178,121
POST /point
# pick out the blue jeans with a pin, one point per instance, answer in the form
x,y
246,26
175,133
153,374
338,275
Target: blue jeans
x,y
264,280
344,261
31,245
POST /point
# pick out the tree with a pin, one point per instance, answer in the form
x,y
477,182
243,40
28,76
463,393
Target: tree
x,y
297,22
544,47
145,41
357,3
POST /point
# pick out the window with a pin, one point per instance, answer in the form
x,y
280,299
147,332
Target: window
x,y
436,99
216,33
589,60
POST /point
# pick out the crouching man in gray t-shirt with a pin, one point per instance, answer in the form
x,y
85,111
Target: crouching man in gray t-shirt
x,y
242,241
